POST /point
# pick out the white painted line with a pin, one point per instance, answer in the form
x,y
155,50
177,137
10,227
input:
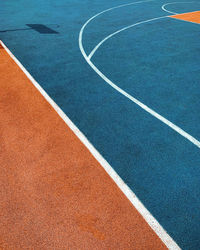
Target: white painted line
x,y
171,12
121,91
153,223
163,8
113,8
117,32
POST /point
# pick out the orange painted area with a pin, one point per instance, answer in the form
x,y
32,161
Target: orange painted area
x,y
53,193
190,17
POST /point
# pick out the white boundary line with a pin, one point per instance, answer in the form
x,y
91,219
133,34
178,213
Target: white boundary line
x,y
121,91
153,223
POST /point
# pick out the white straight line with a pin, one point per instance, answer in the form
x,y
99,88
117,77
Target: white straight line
x,y
153,223
124,93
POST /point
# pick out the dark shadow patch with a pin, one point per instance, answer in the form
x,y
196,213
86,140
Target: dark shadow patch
x,y
42,29
1,31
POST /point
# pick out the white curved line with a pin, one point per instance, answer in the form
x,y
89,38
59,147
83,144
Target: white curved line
x,y
153,223
157,228
107,10
115,33
143,106
163,8
174,13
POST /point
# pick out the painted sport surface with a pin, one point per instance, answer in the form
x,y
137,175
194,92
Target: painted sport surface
x,y
129,80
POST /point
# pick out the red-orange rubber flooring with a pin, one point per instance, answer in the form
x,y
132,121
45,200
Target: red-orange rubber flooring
x,y
53,193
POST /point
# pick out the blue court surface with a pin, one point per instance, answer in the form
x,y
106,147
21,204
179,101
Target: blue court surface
x,y
129,80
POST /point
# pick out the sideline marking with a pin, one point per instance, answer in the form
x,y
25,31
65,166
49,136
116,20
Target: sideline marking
x,y
152,222
121,91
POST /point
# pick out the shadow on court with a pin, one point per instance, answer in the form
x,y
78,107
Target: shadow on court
x,y
40,28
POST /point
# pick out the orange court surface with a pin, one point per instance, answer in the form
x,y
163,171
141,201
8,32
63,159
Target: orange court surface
x,y
54,193
190,17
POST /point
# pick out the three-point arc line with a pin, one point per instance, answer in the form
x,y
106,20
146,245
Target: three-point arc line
x,y
114,86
